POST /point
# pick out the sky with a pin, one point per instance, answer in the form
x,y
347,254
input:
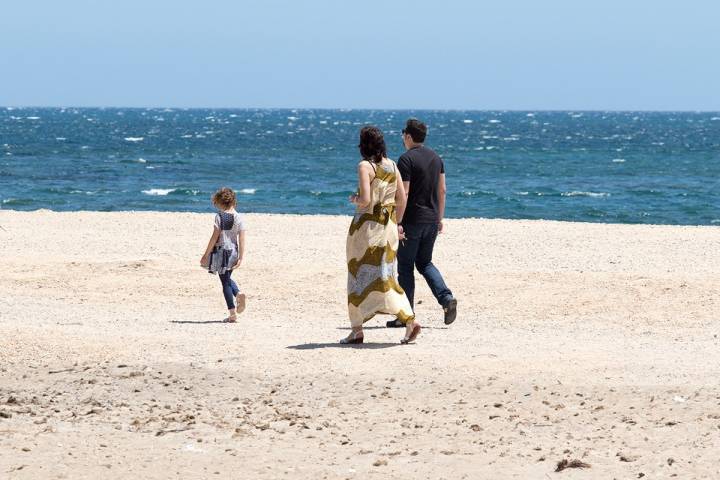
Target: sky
x,y
394,54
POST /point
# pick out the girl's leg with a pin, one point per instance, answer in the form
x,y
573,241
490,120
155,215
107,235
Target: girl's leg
x,y
239,297
226,282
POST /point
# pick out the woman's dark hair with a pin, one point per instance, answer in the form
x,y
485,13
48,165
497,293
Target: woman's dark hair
x,y
372,144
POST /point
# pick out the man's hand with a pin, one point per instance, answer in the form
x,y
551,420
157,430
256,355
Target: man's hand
x,y
441,227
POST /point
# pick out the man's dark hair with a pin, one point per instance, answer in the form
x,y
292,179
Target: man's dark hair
x,y
372,144
416,129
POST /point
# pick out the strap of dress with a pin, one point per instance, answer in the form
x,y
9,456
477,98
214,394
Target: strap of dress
x,y
374,167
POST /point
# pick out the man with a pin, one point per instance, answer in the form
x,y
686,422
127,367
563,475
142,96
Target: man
x,y
423,174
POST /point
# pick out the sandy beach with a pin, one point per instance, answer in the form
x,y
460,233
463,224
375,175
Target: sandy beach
x,y
586,342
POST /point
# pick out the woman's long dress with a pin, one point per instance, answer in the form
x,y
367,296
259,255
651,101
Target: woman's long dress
x,y
372,244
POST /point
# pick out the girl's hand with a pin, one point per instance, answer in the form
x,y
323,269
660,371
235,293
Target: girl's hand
x,y
237,264
204,260
353,199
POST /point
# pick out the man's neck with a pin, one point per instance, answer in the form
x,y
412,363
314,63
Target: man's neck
x,y
414,145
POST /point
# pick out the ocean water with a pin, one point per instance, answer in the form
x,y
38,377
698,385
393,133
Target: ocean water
x,y
620,167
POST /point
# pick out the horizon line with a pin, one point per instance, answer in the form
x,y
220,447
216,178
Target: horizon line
x,y
418,109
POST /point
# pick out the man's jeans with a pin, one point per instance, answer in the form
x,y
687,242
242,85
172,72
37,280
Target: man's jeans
x,y
416,251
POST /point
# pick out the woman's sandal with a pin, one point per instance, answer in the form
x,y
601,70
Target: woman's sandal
x,y
353,338
240,300
231,319
413,335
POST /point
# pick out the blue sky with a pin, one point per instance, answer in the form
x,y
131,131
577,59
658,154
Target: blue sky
x,y
452,54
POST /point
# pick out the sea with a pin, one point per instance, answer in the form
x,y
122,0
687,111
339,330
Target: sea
x,y
612,167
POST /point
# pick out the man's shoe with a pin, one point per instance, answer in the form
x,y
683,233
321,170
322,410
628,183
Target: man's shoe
x,y
394,324
450,310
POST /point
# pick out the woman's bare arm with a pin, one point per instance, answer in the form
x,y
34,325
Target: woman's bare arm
x,y
400,197
364,172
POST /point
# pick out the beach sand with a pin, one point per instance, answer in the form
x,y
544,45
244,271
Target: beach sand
x,y
573,341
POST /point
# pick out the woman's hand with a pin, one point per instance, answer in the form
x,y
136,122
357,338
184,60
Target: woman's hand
x,y
353,199
401,233
237,264
204,260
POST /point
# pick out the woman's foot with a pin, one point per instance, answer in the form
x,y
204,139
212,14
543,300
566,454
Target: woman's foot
x,y
232,316
356,336
412,330
240,301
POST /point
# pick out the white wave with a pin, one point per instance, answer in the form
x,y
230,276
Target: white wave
x,y
576,193
158,191
323,122
33,118
141,160
150,167
60,139
618,160
248,191
494,121
467,121
715,119
134,139
186,136
85,147
530,115
522,193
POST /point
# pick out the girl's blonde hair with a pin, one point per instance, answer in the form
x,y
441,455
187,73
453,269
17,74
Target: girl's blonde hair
x,y
224,198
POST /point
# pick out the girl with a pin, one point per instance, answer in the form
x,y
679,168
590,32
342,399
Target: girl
x,y
225,250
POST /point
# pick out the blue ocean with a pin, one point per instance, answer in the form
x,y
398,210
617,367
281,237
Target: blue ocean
x,y
617,167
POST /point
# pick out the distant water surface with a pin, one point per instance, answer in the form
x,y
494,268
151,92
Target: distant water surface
x,y
626,167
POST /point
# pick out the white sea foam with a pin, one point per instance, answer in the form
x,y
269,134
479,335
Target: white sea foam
x,y
522,193
141,160
575,193
467,121
186,136
323,122
715,119
134,139
33,118
150,167
530,115
248,191
618,160
494,121
158,191
60,139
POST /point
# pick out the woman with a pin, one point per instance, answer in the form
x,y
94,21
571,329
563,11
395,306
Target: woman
x,y
372,241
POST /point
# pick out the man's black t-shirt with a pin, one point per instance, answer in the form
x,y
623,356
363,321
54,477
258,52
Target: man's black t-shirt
x,y
422,168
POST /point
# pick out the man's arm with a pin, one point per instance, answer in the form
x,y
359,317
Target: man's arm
x,y
442,190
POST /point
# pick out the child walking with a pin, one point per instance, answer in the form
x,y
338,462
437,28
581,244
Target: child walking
x,y
225,250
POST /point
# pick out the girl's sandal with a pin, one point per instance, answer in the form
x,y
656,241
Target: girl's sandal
x,y
231,319
240,300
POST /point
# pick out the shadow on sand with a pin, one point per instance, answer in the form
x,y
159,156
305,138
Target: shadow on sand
x,y
198,322
368,346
